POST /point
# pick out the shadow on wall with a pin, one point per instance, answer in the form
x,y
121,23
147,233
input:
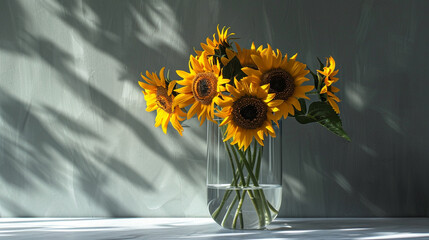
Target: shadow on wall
x,y
125,32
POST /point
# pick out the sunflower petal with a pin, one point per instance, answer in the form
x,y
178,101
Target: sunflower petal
x,y
250,71
171,87
334,105
165,123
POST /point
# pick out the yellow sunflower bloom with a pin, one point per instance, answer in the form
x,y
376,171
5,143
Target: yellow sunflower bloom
x,y
248,112
329,72
243,55
202,86
284,76
159,97
211,45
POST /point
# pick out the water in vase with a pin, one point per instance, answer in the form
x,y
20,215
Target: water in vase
x,y
244,207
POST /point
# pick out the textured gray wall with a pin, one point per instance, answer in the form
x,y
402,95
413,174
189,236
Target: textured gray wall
x,y
75,139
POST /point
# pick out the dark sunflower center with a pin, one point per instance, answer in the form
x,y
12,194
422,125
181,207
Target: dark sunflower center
x,y
249,112
204,87
163,100
281,83
278,83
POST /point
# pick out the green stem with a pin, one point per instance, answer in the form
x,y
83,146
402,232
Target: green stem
x,y
258,164
272,208
245,183
264,204
240,168
254,153
257,202
249,155
234,182
249,192
217,211
238,211
260,191
249,169
229,209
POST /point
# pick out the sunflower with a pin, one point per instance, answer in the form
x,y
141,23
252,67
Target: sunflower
x,y
243,55
284,76
248,113
201,87
159,97
212,45
329,72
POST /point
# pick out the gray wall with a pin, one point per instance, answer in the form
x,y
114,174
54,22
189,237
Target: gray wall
x,y
75,139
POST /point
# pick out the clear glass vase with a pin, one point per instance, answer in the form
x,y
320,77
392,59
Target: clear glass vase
x,y
244,188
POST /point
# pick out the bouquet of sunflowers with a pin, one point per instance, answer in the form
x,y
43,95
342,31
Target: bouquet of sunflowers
x,y
246,92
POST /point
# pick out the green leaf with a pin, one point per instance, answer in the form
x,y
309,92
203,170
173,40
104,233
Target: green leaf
x,y
304,119
324,114
233,69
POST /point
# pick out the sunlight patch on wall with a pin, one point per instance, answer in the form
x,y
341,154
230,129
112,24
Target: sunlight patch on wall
x,y
355,95
294,187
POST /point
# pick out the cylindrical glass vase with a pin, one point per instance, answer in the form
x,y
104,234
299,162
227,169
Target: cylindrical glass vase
x,y
244,187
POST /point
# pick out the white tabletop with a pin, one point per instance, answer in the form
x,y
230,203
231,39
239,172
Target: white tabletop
x,y
205,228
